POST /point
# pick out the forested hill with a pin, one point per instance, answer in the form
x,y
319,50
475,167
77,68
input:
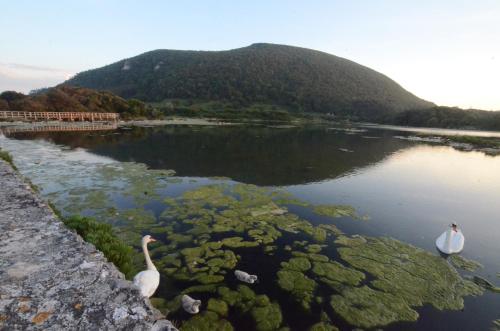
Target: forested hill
x,y
298,78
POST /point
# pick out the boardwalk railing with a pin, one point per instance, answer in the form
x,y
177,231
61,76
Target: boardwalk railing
x,y
59,128
58,116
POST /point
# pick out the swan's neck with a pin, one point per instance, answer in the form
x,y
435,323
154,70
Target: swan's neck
x,y
149,263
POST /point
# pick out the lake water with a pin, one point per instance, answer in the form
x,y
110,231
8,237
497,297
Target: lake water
x,y
410,191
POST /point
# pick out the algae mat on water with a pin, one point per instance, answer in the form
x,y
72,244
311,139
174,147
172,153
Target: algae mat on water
x,y
405,277
209,231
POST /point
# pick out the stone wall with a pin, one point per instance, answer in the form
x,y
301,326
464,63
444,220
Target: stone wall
x,y
50,279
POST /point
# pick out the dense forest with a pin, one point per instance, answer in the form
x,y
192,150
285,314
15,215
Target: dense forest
x,y
75,99
445,117
296,78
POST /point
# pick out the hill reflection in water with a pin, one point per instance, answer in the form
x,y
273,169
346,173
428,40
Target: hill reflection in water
x,y
255,155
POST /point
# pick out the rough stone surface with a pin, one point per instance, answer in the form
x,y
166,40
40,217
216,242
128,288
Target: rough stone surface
x,y
50,279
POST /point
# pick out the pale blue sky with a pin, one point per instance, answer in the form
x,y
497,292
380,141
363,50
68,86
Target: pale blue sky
x,y
444,51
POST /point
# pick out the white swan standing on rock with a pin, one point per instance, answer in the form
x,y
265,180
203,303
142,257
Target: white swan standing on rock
x,y
147,280
190,305
245,277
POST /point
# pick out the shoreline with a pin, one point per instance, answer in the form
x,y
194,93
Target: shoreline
x,y
52,278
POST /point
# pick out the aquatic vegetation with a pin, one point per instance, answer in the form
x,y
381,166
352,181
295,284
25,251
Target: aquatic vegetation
x,y
461,262
297,263
323,326
101,235
413,276
267,315
496,325
207,232
7,158
218,306
367,308
206,321
299,285
336,275
237,242
335,211
485,284
160,304
311,256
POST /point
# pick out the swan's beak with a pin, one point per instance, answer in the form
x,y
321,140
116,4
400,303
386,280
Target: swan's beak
x,y
152,239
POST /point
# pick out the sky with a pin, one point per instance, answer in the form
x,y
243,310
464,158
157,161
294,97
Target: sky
x,y
446,51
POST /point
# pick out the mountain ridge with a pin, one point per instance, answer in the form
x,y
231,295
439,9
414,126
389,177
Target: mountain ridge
x,y
298,78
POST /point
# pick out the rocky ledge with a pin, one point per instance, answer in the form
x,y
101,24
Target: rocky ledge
x,y
50,279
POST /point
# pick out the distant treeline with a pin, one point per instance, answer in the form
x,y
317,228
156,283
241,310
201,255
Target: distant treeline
x,y
445,117
75,99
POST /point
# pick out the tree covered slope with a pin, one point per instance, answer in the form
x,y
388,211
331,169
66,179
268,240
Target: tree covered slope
x,y
298,78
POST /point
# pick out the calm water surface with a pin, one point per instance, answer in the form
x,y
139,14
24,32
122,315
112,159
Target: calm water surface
x,y
411,191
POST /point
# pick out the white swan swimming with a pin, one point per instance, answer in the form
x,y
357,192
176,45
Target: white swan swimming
x,y
451,241
245,277
190,305
147,280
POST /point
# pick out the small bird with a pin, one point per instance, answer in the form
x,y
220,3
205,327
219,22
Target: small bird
x,y
147,280
190,305
245,277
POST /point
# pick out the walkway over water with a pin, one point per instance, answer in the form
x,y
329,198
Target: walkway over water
x,y
51,279
59,116
43,127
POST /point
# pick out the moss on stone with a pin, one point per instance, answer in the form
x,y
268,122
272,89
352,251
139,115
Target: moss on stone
x,y
368,308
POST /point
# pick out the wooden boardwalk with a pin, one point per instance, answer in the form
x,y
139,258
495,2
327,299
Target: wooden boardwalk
x,y
58,128
58,116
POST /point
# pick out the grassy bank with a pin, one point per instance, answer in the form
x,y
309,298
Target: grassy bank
x,y
7,158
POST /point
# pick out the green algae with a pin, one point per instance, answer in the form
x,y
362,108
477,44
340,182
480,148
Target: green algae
x,y
496,325
237,242
160,304
350,241
413,276
206,321
368,308
299,285
311,256
267,316
323,326
218,306
465,264
297,263
314,248
206,288
243,298
335,211
336,275
485,284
